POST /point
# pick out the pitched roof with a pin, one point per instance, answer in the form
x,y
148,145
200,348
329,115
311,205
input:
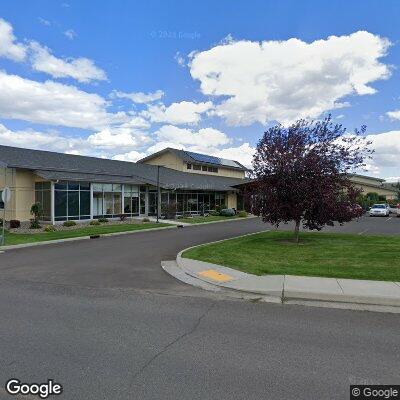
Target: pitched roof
x,y
60,166
192,157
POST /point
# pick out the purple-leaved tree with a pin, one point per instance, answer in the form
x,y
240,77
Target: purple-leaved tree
x,y
301,174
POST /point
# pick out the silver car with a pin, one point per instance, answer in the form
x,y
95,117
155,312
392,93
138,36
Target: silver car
x,y
379,210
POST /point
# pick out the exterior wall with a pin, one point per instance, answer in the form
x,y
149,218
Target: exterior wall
x,y
22,185
232,200
168,160
231,173
172,161
389,194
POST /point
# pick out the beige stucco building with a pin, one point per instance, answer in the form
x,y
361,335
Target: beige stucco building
x,y
71,187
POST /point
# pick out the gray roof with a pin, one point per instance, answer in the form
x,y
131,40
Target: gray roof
x,y
59,166
193,158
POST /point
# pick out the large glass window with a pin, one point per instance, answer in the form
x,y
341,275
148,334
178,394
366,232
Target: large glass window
x,y
43,196
107,200
71,200
131,200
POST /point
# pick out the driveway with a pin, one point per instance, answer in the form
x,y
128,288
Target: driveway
x,y
102,318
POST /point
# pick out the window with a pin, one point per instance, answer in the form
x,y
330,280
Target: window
x,y
1,201
189,166
197,167
43,196
213,169
204,168
71,200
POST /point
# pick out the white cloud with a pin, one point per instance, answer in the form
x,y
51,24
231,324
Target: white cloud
x,y
32,139
9,48
81,69
53,103
125,137
70,34
139,97
387,150
205,138
393,114
131,156
243,154
286,80
185,112
180,59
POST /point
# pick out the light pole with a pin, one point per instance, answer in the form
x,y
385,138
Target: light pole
x,y
158,193
3,237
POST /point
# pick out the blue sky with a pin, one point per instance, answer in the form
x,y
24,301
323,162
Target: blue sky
x,y
122,79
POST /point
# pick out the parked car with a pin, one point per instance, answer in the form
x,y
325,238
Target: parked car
x,y
379,210
398,210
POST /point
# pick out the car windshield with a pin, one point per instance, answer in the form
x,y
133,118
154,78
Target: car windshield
x,y
378,206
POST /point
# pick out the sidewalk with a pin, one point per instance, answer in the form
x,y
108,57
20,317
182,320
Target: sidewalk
x,y
331,292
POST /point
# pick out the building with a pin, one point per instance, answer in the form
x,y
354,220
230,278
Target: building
x,y
369,184
187,161
72,187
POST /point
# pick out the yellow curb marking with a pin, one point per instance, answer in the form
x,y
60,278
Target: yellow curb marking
x,y
215,275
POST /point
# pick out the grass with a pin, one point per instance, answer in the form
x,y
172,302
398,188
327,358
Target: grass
x,y
331,255
210,218
16,238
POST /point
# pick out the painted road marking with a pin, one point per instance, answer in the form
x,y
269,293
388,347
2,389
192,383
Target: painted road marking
x,y
215,275
389,219
366,230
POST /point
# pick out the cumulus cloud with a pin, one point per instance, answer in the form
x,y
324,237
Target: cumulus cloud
x,y
243,154
204,138
185,112
286,80
9,48
82,69
131,156
139,97
53,103
124,137
393,114
387,151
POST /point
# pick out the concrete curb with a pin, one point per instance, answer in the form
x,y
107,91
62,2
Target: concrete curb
x,y
325,292
55,241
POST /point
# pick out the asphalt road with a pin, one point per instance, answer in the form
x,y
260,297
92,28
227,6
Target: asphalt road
x,y
102,318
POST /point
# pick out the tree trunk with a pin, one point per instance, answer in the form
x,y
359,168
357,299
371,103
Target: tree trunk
x,y
296,231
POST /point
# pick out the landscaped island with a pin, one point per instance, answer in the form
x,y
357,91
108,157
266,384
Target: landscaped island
x,y
332,255
87,230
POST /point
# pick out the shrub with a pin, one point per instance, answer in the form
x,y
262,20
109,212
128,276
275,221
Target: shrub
x,y
34,224
95,222
243,214
1,221
103,220
50,228
69,223
227,212
36,211
123,217
15,223
145,219
214,213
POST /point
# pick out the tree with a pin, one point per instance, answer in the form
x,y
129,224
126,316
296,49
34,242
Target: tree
x,y
301,174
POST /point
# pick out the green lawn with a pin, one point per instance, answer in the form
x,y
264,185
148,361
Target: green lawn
x,y
210,218
15,238
318,254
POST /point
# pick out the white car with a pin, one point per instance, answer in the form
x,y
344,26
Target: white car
x,y
379,210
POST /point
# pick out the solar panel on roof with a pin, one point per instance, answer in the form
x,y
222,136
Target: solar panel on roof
x,y
212,160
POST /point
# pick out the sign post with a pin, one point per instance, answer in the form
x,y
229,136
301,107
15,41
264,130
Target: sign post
x,y
5,197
